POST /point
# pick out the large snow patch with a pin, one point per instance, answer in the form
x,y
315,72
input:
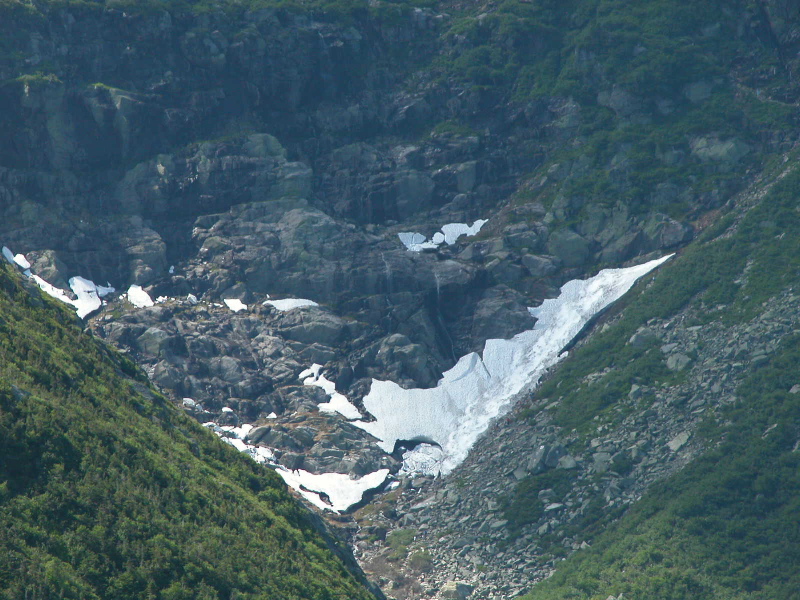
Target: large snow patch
x,y
478,389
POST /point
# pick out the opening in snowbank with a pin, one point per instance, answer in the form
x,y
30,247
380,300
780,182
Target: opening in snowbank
x,y
479,389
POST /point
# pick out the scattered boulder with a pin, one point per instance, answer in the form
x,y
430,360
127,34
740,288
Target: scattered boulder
x,y
679,441
455,590
644,338
540,266
713,149
678,362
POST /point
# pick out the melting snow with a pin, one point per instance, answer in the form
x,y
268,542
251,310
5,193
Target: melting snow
x,y
415,242
329,491
338,402
332,491
425,458
88,297
289,303
51,290
453,231
478,389
105,290
235,304
22,261
138,297
88,294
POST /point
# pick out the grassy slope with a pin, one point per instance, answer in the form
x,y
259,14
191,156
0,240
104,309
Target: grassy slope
x,y
107,491
726,526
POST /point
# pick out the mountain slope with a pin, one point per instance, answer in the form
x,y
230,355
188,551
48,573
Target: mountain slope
x,y
108,491
725,525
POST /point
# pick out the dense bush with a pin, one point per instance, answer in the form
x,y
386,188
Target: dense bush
x,y
108,491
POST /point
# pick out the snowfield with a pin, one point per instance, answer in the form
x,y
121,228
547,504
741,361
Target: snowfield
x,y
478,388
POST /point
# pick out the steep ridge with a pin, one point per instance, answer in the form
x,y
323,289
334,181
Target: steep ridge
x,y
108,491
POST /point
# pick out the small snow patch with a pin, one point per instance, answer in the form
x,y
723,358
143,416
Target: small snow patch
x,y
235,304
338,402
139,298
415,242
9,256
289,303
51,290
88,299
22,261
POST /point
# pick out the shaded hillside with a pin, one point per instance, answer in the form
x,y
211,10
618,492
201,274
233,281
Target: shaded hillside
x,y
108,491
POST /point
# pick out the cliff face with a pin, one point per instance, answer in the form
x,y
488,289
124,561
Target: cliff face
x,y
240,150
125,128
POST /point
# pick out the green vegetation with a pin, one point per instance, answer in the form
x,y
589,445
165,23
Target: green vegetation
x,y
723,528
343,11
108,491
729,277
524,506
399,540
452,128
421,561
646,79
